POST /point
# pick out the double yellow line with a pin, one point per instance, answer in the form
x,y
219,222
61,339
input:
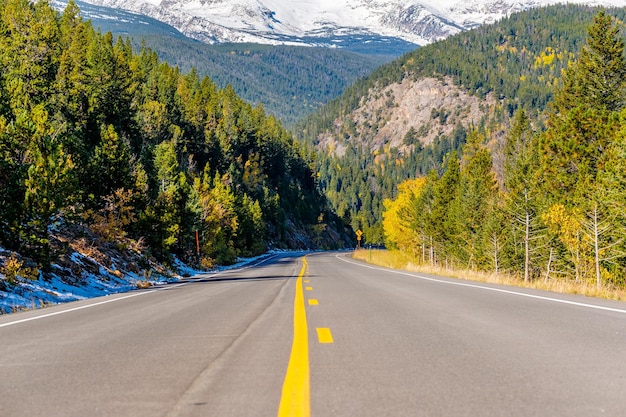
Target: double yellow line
x,y
295,400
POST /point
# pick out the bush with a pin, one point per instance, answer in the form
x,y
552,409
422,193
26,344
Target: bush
x,y
11,268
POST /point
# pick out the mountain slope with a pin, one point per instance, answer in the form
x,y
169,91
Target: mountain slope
x,y
142,155
290,81
404,118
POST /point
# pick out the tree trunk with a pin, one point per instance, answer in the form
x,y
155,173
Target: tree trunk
x,y
596,246
548,267
527,248
495,254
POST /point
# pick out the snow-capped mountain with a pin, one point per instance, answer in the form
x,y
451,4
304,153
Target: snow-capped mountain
x,y
326,22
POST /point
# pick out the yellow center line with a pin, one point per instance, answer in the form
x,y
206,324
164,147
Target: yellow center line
x,y
313,302
309,288
295,399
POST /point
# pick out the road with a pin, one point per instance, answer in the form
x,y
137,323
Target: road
x,y
334,336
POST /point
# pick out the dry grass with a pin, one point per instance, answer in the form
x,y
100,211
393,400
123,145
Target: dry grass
x,y
400,260
143,284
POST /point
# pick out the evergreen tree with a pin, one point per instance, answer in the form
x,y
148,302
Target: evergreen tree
x,y
522,202
582,127
444,227
474,207
606,217
598,77
110,166
50,184
582,122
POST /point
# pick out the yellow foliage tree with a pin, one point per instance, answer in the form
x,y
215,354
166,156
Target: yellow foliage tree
x,y
400,217
567,226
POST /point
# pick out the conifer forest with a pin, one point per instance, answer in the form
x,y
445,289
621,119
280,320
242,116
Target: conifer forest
x,y
95,136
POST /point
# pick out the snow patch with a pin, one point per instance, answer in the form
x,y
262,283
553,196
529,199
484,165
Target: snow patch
x,y
63,285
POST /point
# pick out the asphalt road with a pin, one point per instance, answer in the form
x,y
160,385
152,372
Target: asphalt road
x,y
380,343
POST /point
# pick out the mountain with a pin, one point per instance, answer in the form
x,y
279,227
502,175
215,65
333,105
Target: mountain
x,y
290,81
403,119
122,22
329,23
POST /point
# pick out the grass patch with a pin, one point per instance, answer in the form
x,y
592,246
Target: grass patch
x,y
400,260
143,284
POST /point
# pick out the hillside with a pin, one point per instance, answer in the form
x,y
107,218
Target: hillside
x,y
542,204
402,120
290,81
117,149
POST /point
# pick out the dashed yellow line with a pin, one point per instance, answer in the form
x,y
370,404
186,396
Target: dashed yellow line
x,y
295,399
313,302
324,335
309,288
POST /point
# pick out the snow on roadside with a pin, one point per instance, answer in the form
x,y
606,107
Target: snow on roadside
x,y
61,286
29,294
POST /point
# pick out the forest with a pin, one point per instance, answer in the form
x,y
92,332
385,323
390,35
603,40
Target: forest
x,y
516,61
290,81
558,212
98,138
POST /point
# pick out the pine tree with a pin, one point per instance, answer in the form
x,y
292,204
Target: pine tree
x,y
582,127
110,166
581,124
71,82
605,213
28,53
598,77
522,199
12,173
475,204
444,227
50,185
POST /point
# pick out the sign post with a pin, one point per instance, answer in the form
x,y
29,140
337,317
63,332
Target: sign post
x,y
198,246
359,233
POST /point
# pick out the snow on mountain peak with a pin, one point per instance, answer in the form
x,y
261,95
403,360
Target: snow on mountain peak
x,y
318,21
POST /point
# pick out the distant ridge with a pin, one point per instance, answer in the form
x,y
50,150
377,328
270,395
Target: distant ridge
x,y
330,23
260,74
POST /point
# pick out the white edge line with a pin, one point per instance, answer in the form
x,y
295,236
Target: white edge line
x,y
463,284
167,287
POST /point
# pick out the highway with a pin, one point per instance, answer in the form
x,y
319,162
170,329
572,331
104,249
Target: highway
x,y
319,335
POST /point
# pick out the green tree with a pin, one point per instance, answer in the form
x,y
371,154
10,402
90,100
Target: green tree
x,y
605,218
110,167
598,77
444,227
251,227
72,81
218,218
522,199
12,172
50,184
29,53
582,127
475,205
